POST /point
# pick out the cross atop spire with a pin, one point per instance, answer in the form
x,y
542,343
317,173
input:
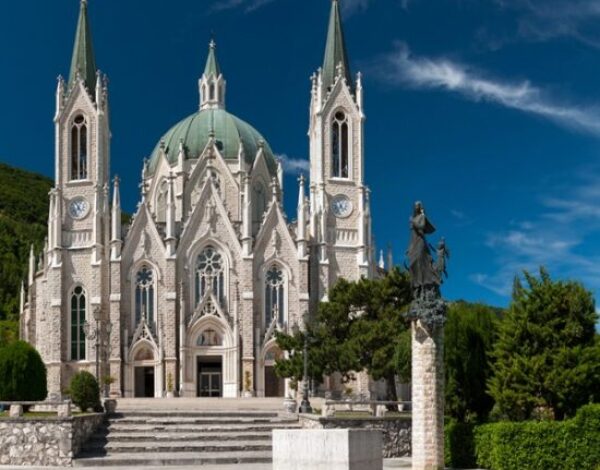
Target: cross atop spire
x,y
83,63
212,82
336,57
212,65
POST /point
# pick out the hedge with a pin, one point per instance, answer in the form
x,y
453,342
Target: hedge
x,y
545,445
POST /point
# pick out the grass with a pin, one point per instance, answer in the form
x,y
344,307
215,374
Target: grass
x,y
37,415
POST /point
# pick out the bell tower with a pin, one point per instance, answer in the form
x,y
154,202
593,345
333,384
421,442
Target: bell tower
x,y
340,222
79,218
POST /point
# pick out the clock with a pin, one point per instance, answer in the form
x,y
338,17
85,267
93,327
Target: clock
x,y
78,208
341,206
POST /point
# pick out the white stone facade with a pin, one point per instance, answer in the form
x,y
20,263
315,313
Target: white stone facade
x,y
184,286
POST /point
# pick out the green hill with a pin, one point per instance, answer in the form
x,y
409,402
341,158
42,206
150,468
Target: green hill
x,y
23,220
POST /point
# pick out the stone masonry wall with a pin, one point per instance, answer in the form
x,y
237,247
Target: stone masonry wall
x,y
44,442
396,432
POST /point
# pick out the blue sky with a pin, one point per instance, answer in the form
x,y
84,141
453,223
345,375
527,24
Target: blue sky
x,y
488,111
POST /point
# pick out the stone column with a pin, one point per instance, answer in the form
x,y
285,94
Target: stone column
x,y
427,396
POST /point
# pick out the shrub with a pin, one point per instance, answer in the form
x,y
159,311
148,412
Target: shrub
x,y
85,392
459,447
568,445
22,373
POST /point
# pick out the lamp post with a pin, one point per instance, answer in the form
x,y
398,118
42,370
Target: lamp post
x,y
305,404
102,340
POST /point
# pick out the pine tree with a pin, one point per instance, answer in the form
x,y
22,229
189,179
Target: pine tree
x,y
469,338
546,356
359,328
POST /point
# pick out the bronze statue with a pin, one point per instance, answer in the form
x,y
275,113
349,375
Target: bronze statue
x,y
426,275
421,267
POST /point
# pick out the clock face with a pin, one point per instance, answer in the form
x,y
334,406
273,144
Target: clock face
x,y
78,208
341,206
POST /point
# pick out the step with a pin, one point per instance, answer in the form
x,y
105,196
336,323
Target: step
x,y
203,421
199,414
104,438
210,428
180,446
181,458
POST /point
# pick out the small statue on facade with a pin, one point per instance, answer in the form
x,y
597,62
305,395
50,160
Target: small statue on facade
x,y
426,275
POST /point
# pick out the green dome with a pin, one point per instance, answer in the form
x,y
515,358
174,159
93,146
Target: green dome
x,y
194,131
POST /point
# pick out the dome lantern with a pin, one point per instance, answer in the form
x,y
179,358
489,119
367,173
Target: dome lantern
x,y
212,83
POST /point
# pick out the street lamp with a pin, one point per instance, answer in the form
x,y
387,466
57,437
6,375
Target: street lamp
x,y
102,339
305,404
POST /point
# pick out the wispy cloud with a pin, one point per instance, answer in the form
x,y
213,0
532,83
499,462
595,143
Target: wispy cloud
x,y
400,67
554,239
294,165
247,5
349,7
540,20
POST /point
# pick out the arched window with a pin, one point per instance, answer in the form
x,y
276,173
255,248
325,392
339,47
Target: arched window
x,y
144,295
77,323
339,146
209,338
211,92
274,296
161,201
79,148
210,274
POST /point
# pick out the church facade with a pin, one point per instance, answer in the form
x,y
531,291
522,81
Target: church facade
x,y
186,298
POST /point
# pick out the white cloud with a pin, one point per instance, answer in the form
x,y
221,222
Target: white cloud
x,y
349,7
294,165
247,5
556,239
400,67
541,20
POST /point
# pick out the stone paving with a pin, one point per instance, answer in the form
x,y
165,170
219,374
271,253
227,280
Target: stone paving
x,y
388,464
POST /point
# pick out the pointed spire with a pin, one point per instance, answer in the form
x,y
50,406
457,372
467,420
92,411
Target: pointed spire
x,y
170,232
212,84
115,239
301,230
83,64
336,57
212,65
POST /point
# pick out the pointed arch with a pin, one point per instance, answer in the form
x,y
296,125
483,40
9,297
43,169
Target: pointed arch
x,y
78,161
340,145
78,310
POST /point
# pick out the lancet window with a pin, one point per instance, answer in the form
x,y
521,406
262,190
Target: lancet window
x,y
210,274
340,146
275,286
77,324
79,149
144,295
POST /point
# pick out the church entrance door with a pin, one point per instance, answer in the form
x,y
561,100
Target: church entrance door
x,y
210,376
144,382
274,385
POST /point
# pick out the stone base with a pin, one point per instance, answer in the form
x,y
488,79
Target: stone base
x,y
327,449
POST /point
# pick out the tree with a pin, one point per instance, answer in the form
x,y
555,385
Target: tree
x,y
84,391
469,338
546,356
22,373
375,332
359,328
9,332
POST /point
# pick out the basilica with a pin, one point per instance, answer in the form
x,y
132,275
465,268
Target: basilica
x,y
185,299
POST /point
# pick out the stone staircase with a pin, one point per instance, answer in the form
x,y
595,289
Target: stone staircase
x,y
180,438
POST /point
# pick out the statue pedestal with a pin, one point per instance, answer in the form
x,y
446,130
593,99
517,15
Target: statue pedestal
x,y
427,396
